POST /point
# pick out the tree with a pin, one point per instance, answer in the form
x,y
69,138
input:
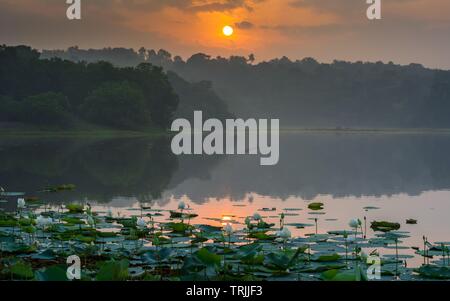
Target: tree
x,y
47,109
117,104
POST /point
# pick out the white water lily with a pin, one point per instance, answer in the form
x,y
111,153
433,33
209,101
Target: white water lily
x,y
181,205
140,223
228,229
43,222
284,233
256,216
21,203
354,223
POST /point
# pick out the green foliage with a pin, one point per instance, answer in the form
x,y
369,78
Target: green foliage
x,y
44,109
113,270
57,93
48,108
116,104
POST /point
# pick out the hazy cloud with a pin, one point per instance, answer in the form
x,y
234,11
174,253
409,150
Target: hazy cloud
x,y
244,25
185,5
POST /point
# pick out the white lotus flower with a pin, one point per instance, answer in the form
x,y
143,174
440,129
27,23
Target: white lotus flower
x,y
228,229
354,223
181,205
284,233
20,203
140,223
43,222
256,216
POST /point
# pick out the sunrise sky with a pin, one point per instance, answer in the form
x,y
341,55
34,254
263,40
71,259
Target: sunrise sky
x,y
410,31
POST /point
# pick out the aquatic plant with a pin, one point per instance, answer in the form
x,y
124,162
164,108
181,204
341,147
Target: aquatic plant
x,y
152,244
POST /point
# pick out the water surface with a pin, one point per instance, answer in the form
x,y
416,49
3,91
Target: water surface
x,y
404,175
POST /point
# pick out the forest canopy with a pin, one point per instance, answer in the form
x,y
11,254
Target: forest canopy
x,y
60,93
304,93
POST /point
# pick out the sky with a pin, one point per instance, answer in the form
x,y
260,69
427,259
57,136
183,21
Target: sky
x,y
410,31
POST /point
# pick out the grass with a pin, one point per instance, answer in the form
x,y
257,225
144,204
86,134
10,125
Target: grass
x,y
81,130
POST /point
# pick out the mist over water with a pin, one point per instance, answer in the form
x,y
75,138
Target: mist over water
x,y
311,164
403,175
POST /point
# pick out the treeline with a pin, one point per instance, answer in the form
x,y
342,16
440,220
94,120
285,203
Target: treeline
x,y
304,92
62,93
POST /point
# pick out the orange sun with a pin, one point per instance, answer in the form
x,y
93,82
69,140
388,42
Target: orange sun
x,y
228,31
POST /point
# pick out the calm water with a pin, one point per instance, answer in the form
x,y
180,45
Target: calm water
x,y
404,175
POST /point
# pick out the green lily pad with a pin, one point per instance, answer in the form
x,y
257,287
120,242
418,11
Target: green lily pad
x,y
22,270
52,273
384,226
434,272
316,206
207,257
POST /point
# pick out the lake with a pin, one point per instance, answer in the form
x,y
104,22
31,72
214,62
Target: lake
x,y
381,176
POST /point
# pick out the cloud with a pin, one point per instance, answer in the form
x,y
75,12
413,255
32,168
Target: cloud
x,y
244,25
185,5
342,7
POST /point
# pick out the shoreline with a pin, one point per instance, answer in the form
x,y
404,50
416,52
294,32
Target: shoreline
x,y
111,133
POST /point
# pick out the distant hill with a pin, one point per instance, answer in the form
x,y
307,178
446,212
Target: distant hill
x,y
306,93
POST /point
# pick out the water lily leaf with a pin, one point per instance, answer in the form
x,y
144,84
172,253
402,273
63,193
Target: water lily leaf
x,y
179,227
22,270
316,206
434,272
261,236
75,208
113,271
327,257
52,273
136,272
356,274
371,208
208,228
207,257
45,255
175,214
299,225
384,226
319,268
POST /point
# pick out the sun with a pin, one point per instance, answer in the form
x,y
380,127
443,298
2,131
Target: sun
x,y
228,30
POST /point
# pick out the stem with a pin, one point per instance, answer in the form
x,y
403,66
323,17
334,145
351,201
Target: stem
x,y
365,227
